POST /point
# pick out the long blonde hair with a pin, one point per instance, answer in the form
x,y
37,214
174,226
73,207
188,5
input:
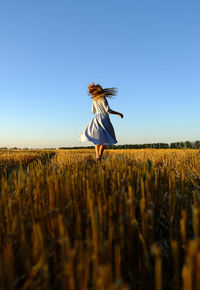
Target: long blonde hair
x,y
96,91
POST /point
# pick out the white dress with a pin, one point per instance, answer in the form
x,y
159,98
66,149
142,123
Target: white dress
x,y
100,130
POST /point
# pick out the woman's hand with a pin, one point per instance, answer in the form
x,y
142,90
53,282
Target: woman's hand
x,y
116,113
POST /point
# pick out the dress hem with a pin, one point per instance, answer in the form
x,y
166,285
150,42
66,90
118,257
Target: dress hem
x,y
95,143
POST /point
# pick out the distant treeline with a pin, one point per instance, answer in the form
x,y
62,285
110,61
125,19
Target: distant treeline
x,y
175,145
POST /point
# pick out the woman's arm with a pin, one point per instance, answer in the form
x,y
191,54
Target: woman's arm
x,y
93,109
108,109
116,113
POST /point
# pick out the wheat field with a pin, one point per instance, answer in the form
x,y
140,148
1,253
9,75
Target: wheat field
x,y
129,222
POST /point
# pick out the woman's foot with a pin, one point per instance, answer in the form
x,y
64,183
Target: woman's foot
x,y
98,158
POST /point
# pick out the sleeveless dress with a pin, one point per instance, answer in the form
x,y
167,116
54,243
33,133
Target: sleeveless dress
x,y
100,130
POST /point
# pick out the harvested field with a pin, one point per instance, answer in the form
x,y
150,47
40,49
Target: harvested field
x,y
129,222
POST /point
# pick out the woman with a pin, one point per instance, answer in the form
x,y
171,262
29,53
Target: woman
x,y
100,130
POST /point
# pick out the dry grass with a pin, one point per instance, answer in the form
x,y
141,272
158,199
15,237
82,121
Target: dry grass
x,y
131,222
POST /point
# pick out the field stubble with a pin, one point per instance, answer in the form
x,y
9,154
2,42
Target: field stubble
x,y
129,222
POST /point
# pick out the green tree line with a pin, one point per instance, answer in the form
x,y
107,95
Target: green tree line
x,y
174,145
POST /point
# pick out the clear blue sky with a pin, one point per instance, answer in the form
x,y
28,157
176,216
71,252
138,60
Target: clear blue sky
x,y
51,50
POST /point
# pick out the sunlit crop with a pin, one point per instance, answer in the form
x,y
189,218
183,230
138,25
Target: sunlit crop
x,y
129,222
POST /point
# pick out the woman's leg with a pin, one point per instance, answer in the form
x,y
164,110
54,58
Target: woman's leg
x,y
97,148
102,147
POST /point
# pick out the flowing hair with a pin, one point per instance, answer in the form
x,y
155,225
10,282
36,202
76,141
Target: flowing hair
x,y
96,91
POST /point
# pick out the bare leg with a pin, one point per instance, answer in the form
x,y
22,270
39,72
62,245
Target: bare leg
x,y
102,147
97,149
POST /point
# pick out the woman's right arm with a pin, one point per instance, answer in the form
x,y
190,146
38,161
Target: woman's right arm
x,y
93,109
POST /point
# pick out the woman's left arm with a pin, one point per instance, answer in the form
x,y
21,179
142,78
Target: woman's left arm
x,y
108,110
116,113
